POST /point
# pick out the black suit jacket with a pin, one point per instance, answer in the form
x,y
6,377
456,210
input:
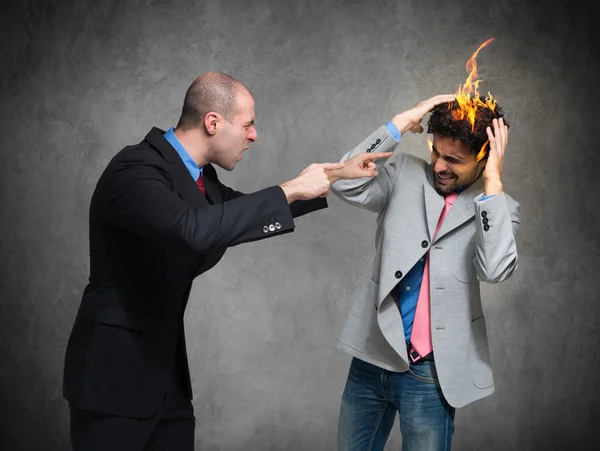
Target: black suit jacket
x,y
152,231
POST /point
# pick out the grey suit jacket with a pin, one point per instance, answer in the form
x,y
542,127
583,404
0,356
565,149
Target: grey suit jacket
x,y
476,243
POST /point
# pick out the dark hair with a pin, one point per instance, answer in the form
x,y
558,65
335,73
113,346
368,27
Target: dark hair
x,y
211,91
443,122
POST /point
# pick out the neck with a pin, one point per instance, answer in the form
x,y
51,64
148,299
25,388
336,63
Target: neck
x,y
194,144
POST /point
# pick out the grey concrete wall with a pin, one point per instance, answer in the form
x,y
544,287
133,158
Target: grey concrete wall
x,y
81,79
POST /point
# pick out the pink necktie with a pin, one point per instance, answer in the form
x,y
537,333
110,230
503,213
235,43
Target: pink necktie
x,y
420,336
200,183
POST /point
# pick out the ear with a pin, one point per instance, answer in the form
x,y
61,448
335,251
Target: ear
x,y
211,122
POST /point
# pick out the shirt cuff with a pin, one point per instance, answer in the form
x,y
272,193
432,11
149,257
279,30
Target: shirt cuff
x,y
484,197
393,131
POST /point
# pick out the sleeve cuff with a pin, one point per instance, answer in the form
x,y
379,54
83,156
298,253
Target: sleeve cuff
x,y
484,197
393,131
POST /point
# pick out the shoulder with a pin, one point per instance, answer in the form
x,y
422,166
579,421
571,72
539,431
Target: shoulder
x,y
138,161
406,162
414,161
141,153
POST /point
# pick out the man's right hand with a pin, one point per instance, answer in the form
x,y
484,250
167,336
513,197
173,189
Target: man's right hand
x,y
312,182
411,119
358,166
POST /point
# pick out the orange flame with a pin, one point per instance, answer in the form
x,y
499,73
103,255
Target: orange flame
x,y
468,98
481,153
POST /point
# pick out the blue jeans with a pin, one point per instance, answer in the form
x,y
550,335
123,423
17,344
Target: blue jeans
x,y
372,397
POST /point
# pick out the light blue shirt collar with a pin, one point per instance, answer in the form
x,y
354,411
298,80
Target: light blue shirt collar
x,y
190,164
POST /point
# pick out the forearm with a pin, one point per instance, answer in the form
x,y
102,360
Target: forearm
x,y
368,192
402,123
497,224
150,209
493,185
302,207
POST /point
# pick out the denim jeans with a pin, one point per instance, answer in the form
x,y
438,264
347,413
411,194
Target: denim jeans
x,y
372,397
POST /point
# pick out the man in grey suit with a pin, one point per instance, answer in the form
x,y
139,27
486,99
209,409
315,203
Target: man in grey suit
x,y
441,229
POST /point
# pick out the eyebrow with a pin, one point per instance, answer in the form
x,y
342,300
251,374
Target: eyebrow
x,y
457,159
248,124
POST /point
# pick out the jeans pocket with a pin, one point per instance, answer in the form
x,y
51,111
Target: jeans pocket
x,y
424,372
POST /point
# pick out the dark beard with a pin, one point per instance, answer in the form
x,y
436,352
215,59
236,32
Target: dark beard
x,y
468,180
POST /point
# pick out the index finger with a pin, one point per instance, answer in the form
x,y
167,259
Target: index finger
x,y
377,155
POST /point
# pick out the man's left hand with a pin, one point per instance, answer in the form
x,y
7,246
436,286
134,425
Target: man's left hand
x,y
493,168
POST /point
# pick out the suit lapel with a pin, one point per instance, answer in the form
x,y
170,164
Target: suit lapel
x,y
186,186
184,183
462,210
434,203
211,185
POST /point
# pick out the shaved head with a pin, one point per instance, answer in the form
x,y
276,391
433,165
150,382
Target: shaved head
x,y
210,92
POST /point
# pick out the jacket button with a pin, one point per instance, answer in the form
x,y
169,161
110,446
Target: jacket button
x,y
378,141
266,229
272,228
485,220
278,225
398,274
424,244
484,214
486,227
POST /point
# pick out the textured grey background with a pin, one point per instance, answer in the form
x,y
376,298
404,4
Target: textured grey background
x,y
81,79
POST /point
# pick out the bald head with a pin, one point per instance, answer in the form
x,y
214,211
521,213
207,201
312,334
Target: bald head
x,y
210,92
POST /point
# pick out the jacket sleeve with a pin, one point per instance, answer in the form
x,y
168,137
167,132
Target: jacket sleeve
x,y
371,193
138,196
497,224
297,208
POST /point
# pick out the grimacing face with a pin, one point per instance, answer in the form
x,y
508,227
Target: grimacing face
x,y
454,165
236,134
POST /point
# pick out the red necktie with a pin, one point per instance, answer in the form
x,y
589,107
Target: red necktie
x,y
420,337
200,183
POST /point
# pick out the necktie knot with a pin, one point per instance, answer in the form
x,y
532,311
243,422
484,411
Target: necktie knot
x,y
450,198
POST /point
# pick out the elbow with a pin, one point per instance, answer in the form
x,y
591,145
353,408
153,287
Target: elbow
x,y
498,273
193,236
189,243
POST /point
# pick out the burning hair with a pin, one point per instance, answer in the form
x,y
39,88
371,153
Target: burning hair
x,y
445,121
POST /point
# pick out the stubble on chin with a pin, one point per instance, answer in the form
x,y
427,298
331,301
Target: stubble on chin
x,y
444,189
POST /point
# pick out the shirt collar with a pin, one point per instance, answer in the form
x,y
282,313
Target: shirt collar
x,y
462,188
190,164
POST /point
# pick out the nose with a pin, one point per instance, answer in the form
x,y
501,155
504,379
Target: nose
x,y
252,134
439,166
